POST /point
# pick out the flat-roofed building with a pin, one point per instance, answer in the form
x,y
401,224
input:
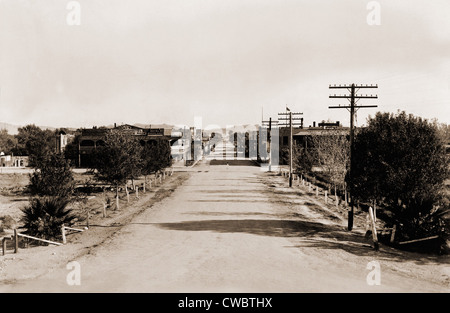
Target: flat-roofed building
x,y
91,138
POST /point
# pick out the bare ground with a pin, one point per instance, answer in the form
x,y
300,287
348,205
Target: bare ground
x,y
37,260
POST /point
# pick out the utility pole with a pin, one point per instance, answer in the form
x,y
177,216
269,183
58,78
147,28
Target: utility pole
x,y
353,99
269,139
291,124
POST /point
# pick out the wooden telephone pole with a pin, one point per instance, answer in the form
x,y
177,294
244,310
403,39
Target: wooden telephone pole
x,y
291,124
353,99
269,139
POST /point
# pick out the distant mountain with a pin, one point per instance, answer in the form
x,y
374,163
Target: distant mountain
x,y
166,126
12,129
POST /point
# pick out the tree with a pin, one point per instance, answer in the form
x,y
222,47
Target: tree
x,y
118,160
34,142
52,177
156,156
332,150
400,162
7,142
52,186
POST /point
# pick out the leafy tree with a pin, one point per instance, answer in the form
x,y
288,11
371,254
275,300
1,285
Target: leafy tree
x,y
118,160
302,159
400,162
52,177
34,142
7,142
332,150
52,186
155,157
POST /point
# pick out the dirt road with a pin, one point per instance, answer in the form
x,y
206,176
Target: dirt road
x,y
238,229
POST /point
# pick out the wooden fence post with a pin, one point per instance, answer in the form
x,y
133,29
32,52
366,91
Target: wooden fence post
x,y
128,194
394,229
104,209
4,244
374,230
137,192
16,241
63,233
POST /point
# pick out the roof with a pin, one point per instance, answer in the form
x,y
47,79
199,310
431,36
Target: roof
x,y
313,131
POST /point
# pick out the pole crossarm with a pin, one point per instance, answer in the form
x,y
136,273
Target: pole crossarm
x,y
349,107
350,86
355,96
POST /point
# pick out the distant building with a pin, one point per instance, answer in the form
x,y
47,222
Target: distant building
x,y
62,139
13,161
92,138
303,136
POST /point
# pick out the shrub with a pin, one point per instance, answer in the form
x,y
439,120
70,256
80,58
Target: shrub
x,y
52,177
44,216
399,161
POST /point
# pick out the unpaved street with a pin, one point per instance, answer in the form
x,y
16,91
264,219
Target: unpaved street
x,y
238,229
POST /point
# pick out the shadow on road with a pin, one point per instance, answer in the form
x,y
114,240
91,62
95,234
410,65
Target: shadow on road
x,y
230,200
233,191
312,235
233,162
263,227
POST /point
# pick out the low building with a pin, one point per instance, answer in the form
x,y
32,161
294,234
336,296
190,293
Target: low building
x,y
13,161
303,136
95,137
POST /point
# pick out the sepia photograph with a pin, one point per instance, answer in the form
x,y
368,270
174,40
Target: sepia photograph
x,y
224,152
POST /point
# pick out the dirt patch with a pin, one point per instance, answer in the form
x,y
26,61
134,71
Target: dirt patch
x,y
38,260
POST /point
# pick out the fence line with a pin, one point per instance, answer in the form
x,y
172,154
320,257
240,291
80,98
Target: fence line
x,y
39,239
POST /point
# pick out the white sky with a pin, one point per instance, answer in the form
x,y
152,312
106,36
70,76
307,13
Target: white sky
x,y
167,61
